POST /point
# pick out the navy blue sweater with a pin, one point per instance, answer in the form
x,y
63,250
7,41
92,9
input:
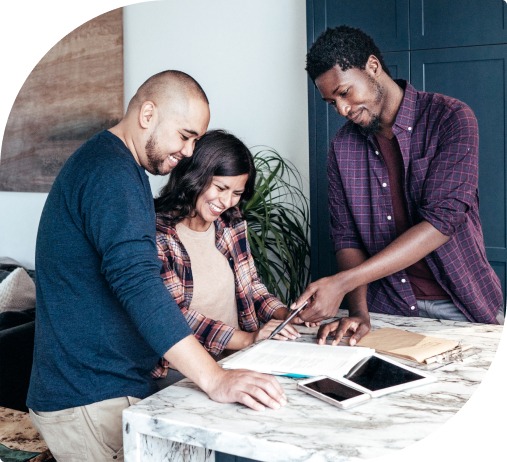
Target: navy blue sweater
x,y
103,315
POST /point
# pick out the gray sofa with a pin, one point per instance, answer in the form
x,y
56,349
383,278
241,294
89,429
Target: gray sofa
x,y
16,349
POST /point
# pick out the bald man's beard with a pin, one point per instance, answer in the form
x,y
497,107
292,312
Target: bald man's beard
x,y
155,158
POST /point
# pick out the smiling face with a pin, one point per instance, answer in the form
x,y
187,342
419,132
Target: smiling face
x,y
223,193
174,137
355,94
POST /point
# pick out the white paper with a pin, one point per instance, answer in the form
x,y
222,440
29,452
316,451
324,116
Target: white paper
x,y
288,357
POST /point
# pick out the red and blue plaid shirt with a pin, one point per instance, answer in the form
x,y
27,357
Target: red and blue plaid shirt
x,y
254,303
438,139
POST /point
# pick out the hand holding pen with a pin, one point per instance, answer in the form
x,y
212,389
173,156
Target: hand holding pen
x,y
291,316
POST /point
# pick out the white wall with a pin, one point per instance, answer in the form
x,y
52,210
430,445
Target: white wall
x,y
248,55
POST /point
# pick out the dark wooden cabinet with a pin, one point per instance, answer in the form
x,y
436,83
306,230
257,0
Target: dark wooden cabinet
x,y
456,23
454,47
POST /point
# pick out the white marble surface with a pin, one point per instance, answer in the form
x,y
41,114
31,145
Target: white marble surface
x,y
307,429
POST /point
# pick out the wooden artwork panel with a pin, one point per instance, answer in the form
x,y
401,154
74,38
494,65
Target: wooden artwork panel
x,y
75,91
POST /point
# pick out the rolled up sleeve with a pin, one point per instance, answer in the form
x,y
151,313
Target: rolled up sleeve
x,y
451,183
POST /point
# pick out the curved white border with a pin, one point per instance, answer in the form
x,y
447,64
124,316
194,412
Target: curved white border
x,y
31,28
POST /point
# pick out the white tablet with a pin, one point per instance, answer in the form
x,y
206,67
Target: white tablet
x,y
378,375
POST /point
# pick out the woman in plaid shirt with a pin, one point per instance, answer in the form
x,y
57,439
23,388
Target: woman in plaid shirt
x,y
202,242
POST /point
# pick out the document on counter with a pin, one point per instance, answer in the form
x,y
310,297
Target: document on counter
x,y
297,358
359,367
410,345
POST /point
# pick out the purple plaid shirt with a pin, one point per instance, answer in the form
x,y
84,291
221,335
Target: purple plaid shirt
x,y
438,138
254,303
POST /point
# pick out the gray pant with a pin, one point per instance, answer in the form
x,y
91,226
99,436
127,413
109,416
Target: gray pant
x,y
446,309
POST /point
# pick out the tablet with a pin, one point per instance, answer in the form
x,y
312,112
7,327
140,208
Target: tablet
x,y
378,375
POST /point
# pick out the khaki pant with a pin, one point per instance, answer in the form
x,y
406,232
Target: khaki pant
x,y
92,433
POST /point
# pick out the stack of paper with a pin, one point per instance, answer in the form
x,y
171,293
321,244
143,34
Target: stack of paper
x,y
409,345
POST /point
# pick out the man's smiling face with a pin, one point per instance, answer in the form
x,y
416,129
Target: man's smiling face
x,y
174,137
355,94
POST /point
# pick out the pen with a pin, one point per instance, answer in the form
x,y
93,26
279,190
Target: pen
x,y
289,319
290,375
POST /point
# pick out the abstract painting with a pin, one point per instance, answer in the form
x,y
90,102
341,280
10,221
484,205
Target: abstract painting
x,y
75,91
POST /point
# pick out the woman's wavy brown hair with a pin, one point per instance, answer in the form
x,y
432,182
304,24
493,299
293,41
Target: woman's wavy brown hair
x,y
217,153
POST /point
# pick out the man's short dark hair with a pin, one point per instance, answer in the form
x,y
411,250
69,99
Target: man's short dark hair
x,y
346,46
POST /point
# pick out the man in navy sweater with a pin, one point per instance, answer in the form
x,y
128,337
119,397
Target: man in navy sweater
x,y
104,316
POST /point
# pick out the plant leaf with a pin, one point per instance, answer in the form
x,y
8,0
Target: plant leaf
x,y
278,223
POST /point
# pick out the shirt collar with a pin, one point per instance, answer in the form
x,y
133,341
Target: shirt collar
x,y
405,117
406,113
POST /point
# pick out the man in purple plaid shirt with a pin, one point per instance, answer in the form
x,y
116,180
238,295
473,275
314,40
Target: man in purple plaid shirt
x,y
403,197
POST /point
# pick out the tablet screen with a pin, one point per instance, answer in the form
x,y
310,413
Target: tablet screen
x,y
377,374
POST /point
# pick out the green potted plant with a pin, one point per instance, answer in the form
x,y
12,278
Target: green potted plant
x,y
278,225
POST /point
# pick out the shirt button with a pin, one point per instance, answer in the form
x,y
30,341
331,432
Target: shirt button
x,y
412,307
403,281
376,153
409,129
384,185
389,217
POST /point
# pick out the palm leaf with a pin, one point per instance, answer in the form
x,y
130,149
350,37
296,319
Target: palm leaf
x,y
278,226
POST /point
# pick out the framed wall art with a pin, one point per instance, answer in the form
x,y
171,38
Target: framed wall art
x,y
75,91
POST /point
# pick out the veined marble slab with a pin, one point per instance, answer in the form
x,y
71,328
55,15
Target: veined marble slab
x,y
180,423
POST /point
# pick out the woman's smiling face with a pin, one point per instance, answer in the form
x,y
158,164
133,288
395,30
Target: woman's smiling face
x,y
223,193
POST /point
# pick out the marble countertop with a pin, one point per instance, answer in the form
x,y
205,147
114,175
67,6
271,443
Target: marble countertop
x,y
307,429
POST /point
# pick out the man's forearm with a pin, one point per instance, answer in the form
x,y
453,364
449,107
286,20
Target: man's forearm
x,y
201,368
412,246
328,293
356,299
